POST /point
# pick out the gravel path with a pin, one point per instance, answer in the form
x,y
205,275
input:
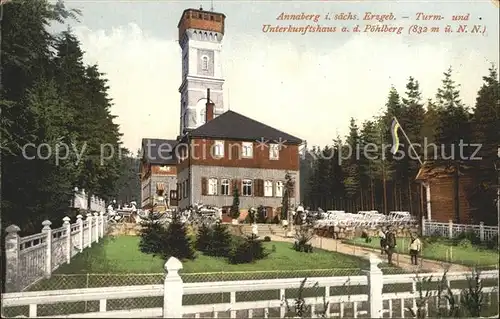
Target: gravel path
x,y
399,260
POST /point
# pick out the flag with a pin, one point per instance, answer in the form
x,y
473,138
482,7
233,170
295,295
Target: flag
x,y
395,137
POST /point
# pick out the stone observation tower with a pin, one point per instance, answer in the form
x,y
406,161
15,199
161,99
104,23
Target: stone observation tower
x,y
200,38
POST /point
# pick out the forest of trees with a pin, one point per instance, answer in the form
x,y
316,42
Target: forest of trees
x,y
49,95
387,183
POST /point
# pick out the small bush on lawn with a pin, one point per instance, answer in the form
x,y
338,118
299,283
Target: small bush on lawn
x,y
267,238
203,238
469,235
153,234
302,238
247,250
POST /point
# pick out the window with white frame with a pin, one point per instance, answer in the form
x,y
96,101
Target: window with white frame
x,y
224,187
247,149
204,63
279,189
274,151
212,186
218,149
268,188
247,187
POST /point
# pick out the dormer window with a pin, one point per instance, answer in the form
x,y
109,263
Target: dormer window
x,y
204,63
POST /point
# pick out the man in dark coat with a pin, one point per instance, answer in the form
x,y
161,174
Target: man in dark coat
x,y
390,244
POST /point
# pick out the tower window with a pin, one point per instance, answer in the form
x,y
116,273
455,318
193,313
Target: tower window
x,y
204,63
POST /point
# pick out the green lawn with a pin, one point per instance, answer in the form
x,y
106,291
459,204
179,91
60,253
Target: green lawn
x,y
118,262
442,250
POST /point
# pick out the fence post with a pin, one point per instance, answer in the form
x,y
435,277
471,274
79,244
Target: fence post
x,y
68,238
173,289
89,222
97,226
79,221
423,226
48,252
450,229
481,231
375,285
102,223
12,247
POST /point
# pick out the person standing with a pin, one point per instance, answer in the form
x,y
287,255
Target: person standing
x,y
383,242
415,248
390,245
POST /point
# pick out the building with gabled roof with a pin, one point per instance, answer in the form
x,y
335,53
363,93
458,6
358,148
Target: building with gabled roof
x,y
235,151
217,150
158,173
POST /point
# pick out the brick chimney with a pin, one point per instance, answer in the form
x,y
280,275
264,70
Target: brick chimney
x,y
209,111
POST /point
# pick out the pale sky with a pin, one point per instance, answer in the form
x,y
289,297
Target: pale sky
x,y
306,85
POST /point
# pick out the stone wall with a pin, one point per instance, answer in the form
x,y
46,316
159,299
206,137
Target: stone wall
x,y
124,229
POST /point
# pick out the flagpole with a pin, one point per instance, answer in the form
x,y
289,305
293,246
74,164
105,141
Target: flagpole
x,y
409,142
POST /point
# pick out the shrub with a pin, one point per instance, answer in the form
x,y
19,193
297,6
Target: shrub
x,y
470,235
220,241
366,237
203,238
267,238
247,250
464,243
153,236
177,242
302,238
492,243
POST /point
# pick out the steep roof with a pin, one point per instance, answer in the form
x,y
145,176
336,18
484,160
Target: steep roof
x,y
232,125
431,170
159,151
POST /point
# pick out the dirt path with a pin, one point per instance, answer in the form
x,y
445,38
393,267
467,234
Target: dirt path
x,y
400,260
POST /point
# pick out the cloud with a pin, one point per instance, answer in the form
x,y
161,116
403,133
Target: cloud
x,y
303,91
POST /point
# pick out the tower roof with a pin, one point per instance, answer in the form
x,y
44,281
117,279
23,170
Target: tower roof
x,y
202,20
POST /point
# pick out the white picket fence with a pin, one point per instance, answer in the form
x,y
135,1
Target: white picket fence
x,y
451,230
34,257
80,200
373,300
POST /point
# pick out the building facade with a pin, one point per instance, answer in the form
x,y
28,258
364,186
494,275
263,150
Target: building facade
x,y
234,151
158,174
445,193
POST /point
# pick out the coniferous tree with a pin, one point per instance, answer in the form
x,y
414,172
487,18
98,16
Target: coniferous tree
x,y
177,242
153,236
396,164
285,201
369,137
486,123
203,238
351,165
413,118
49,96
220,241
452,133
235,207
